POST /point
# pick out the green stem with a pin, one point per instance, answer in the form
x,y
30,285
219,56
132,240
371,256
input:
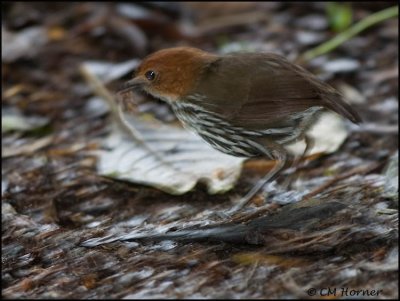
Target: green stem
x,y
351,32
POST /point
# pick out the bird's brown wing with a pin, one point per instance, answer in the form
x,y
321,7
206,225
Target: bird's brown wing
x,y
255,90
274,96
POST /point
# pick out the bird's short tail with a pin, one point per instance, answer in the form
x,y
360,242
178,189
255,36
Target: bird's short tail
x,y
337,104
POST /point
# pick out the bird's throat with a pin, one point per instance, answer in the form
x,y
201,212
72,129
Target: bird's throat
x,y
169,98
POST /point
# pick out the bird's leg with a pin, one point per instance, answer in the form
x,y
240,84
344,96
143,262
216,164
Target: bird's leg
x,y
310,142
277,152
295,164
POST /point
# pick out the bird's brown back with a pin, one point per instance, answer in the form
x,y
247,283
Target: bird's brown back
x,y
256,89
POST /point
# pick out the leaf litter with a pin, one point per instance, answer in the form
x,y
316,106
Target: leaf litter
x,y
345,234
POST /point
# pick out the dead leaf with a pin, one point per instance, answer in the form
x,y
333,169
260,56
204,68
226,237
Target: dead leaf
x,y
107,72
22,44
341,65
328,133
171,159
13,120
26,149
392,175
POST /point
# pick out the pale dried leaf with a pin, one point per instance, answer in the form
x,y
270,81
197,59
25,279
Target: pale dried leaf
x,y
328,133
392,175
13,120
107,72
23,44
342,65
26,149
170,159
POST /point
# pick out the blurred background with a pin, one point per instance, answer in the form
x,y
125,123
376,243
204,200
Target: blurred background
x,y
44,43
52,195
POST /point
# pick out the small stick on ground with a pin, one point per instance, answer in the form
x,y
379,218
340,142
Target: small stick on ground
x,y
350,173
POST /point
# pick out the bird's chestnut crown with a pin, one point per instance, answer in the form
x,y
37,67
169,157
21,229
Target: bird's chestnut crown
x,y
172,73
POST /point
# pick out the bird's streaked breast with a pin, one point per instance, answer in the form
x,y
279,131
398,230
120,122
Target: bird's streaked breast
x,y
235,140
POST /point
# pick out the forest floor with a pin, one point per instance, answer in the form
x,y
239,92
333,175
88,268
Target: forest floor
x,y
326,228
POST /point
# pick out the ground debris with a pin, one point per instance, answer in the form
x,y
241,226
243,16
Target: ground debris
x,y
330,221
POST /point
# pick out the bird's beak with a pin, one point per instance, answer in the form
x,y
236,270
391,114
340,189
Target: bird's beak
x,y
135,83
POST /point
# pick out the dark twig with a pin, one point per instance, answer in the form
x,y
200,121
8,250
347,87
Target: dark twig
x,y
350,173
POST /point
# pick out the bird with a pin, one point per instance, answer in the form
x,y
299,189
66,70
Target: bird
x,y
244,104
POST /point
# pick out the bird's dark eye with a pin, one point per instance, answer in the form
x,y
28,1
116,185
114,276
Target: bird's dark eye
x,y
150,75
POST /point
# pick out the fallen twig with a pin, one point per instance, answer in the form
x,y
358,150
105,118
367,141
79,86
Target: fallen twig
x,y
350,173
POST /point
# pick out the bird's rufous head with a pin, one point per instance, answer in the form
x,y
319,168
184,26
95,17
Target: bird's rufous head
x,y
171,73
